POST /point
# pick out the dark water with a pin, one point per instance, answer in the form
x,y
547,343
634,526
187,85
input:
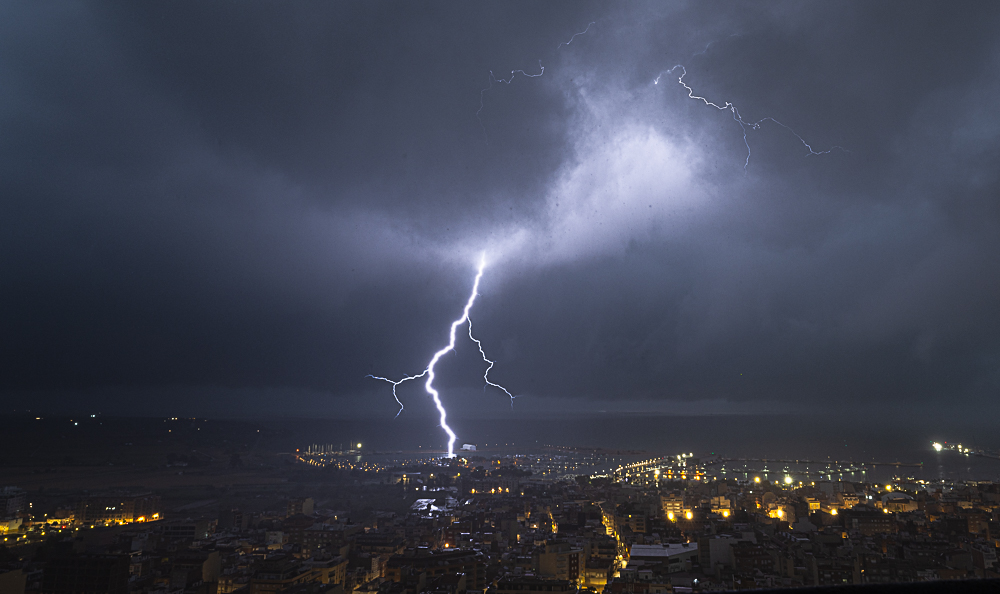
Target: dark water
x,y
773,437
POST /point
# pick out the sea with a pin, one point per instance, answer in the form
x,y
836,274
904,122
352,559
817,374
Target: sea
x,y
890,449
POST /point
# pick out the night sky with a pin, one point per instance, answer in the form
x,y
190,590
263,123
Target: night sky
x,y
240,208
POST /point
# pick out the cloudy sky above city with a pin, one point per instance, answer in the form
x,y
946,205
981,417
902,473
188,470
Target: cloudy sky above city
x,y
245,208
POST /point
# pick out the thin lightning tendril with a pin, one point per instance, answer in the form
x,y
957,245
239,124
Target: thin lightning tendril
x,y
745,125
428,372
507,81
486,376
396,383
711,43
493,79
576,35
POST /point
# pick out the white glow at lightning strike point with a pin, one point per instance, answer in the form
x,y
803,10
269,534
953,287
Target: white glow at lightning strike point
x,y
429,370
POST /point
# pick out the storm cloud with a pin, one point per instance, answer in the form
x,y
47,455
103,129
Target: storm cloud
x,y
230,208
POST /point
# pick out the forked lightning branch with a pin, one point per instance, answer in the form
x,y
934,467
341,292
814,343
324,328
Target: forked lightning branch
x,y
428,371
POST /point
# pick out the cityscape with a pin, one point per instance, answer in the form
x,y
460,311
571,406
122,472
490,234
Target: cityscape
x,y
494,297
346,519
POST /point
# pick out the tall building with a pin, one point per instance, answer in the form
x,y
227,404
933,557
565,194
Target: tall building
x,y
234,519
12,502
117,508
470,563
302,505
560,561
673,506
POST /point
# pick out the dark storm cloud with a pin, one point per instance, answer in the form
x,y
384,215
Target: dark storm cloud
x,y
267,202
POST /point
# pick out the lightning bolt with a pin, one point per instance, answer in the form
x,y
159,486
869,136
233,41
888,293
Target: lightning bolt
x,y
711,43
492,79
428,372
575,35
486,376
396,383
745,125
